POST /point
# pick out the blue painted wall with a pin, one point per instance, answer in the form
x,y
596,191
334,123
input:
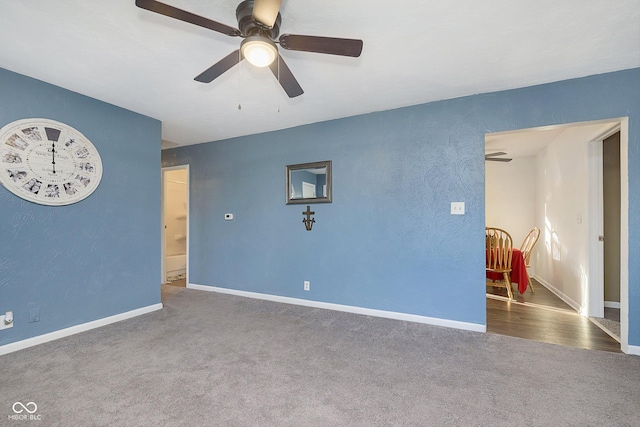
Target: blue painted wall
x,y
98,257
388,240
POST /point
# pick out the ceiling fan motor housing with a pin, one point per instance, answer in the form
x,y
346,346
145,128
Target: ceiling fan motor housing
x,y
250,27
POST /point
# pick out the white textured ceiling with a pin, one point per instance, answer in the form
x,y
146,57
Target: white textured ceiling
x,y
530,142
414,52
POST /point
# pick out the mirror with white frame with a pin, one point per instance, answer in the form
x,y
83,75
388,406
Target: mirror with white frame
x,y
308,183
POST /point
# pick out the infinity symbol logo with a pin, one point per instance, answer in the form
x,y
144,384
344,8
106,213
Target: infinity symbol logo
x,y
23,407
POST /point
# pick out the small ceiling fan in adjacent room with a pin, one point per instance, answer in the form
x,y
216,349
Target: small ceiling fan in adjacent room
x,y
259,25
494,157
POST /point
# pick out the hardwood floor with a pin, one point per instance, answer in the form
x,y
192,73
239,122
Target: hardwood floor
x,y
542,316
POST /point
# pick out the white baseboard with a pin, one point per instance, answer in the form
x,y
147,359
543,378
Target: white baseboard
x,y
347,308
612,304
573,304
41,339
633,349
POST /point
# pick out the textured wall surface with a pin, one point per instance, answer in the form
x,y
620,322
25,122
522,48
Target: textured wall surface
x,y
95,258
388,240
516,213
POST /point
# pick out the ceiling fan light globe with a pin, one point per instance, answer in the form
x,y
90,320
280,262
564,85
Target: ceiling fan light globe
x,y
260,52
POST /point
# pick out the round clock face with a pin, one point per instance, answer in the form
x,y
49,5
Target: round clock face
x,y
48,162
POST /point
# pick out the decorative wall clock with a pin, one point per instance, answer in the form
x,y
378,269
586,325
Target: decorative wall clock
x,y
48,162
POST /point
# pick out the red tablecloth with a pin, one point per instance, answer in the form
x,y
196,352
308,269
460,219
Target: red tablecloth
x,y
518,272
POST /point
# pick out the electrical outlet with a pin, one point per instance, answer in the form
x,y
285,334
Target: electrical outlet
x,y
307,285
457,208
34,315
6,320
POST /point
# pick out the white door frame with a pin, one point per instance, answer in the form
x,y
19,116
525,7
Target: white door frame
x,y
595,306
595,293
162,222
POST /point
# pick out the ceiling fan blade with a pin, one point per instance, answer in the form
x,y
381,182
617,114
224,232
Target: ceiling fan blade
x,y
266,11
285,77
219,68
183,15
499,153
328,45
496,159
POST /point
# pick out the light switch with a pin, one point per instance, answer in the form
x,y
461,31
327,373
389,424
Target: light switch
x,y
457,208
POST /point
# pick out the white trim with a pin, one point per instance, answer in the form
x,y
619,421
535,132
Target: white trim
x,y
624,238
595,293
612,304
347,308
573,304
617,125
633,349
41,339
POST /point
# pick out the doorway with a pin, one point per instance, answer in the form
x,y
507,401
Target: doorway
x,y
563,259
175,225
605,300
611,226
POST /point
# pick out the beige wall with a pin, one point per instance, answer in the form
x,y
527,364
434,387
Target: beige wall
x,y
510,197
175,214
611,201
563,207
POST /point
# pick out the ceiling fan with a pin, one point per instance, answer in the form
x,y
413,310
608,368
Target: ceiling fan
x,y
259,26
493,157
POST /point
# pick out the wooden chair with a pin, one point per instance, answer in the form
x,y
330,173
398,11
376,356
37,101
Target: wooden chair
x,y
499,251
527,247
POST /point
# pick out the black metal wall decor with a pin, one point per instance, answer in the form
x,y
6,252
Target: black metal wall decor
x,y
308,221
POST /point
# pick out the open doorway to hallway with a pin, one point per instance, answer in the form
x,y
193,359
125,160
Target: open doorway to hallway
x,y
175,214
609,318
550,184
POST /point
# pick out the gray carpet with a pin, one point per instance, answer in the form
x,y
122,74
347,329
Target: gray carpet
x,y
610,323
208,359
